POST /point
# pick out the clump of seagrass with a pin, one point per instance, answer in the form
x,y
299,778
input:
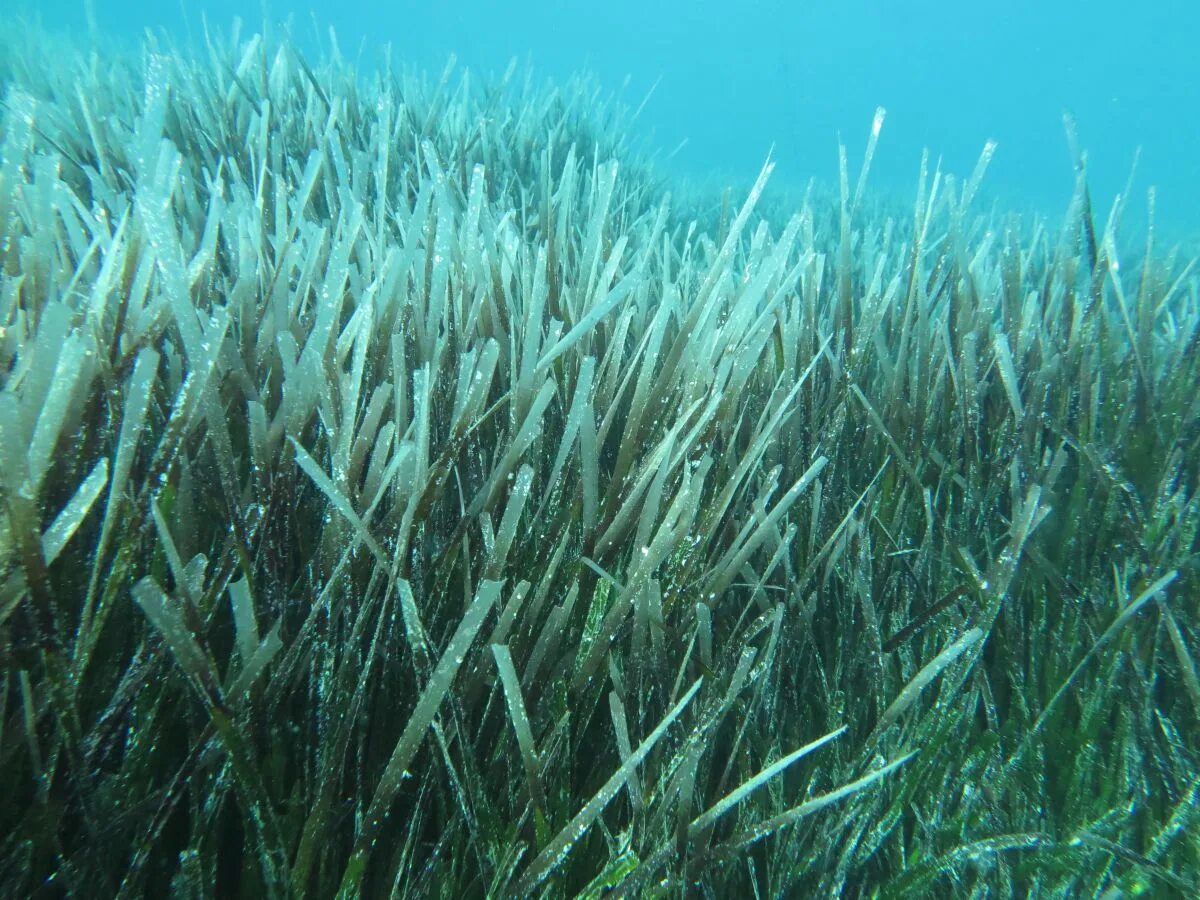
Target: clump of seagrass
x,y
400,496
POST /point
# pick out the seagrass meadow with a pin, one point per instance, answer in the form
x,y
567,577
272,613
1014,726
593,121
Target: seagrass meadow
x,y
402,495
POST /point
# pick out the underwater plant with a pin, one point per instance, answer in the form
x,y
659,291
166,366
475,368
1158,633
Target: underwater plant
x,y
401,495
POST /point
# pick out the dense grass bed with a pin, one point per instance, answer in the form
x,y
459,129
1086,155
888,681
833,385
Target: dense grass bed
x,y
400,494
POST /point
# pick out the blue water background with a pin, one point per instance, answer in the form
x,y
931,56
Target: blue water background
x,y
736,79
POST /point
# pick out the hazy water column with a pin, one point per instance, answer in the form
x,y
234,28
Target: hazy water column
x,y
736,78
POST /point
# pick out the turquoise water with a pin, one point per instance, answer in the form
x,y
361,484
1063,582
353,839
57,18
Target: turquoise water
x,y
735,79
